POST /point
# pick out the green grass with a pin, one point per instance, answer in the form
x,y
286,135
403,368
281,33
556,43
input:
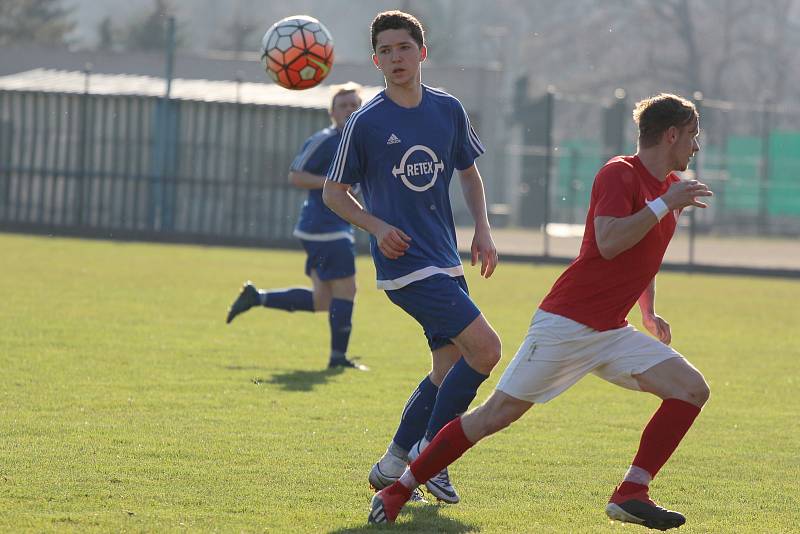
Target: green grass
x,y
128,405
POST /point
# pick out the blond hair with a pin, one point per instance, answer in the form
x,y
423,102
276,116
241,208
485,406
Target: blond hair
x,y
344,89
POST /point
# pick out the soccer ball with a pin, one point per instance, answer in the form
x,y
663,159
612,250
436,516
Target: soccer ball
x,y
297,52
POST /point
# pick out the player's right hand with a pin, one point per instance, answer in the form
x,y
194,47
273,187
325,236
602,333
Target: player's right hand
x,y
483,248
392,242
684,194
656,325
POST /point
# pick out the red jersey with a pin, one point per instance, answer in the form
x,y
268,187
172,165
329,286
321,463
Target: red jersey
x,y
597,292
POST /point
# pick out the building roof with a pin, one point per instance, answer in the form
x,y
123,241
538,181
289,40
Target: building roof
x,y
62,81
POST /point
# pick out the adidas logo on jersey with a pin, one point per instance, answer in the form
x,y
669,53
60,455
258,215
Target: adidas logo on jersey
x,y
393,140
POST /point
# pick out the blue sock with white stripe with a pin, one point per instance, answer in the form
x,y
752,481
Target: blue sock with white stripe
x,y
458,388
340,316
416,414
292,299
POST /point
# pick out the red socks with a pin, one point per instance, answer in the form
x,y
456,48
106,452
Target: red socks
x,y
447,446
629,488
662,434
659,440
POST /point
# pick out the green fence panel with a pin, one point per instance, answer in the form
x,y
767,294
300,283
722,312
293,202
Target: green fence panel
x,y
783,196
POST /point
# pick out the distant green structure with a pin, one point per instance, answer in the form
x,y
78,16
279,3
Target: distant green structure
x,y
783,197
577,163
734,170
743,162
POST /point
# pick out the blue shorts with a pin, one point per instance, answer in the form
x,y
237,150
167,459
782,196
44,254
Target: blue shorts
x,y
331,259
441,304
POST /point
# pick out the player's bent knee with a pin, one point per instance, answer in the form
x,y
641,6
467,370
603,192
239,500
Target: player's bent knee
x,y
694,392
484,361
699,393
697,390
492,352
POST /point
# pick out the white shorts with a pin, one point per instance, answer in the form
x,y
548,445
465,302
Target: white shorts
x,y
557,352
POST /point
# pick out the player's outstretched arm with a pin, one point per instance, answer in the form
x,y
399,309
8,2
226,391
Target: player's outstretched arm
x,y
392,241
306,180
617,234
482,243
653,322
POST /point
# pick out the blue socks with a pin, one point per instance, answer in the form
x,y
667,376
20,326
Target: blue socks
x,y
416,414
340,315
458,388
293,299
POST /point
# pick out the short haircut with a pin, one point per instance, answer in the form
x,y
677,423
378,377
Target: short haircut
x,y
397,20
656,114
344,89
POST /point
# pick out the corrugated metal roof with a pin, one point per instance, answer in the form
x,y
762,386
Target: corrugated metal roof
x,y
62,81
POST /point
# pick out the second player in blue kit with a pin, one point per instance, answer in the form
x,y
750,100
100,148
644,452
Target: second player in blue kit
x,y
327,239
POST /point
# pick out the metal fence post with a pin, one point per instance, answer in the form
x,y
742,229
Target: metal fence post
x,y
548,164
614,126
5,160
764,168
531,115
574,162
698,102
159,217
237,140
82,148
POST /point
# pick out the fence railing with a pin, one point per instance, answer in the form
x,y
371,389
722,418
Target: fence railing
x,y
100,164
151,168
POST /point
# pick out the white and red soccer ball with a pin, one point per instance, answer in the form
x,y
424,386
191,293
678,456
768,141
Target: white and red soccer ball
x,y
297,52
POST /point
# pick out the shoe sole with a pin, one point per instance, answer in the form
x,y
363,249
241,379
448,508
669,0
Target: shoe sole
x,y
616,513
352,365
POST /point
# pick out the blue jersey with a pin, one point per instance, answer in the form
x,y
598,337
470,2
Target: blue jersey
x,y
404,159
317,222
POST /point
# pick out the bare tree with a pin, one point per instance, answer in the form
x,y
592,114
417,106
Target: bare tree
x,y
105,34
777,49
45,22
239,35
149,33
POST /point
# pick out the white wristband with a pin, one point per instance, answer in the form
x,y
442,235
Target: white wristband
x,y
659,208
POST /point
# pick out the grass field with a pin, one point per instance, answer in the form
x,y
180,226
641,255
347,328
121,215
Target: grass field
x,y
127,404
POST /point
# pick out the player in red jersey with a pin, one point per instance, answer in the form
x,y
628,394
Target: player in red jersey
x,y
580,326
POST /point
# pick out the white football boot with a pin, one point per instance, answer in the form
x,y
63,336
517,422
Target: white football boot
x,y
439,485
386,471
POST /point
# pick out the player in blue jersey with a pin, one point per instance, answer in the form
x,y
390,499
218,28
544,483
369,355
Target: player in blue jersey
x,y
402,147
327,239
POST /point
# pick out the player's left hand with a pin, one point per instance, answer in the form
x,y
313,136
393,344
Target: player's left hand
x,y
657,326
483,248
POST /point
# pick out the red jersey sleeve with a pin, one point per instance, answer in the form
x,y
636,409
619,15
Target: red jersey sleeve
x,y
613,190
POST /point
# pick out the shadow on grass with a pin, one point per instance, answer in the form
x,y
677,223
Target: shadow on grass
x,y
300,380
245,368
424,518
